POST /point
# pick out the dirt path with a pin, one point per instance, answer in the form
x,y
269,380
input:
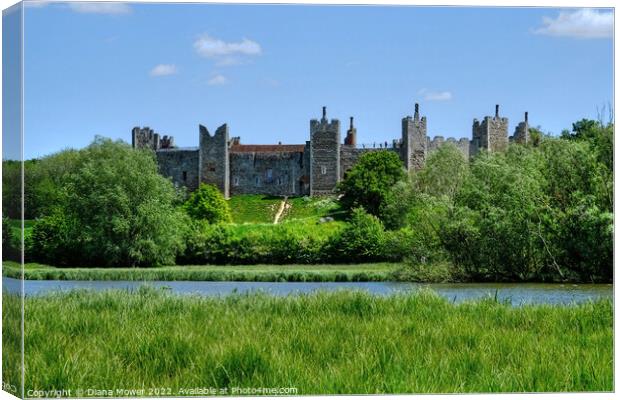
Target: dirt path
x,y
280,210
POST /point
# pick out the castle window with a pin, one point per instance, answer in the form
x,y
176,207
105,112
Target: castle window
x,y
184,176
257,181
279,181
235,181
323,169
211,167
269,173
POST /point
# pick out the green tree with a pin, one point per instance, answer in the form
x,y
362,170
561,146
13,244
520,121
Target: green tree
x,y
43,179
598,134
369,183
438,182
12,189
9,250
362,240
115,210
536,136
207,203
494,232
444,172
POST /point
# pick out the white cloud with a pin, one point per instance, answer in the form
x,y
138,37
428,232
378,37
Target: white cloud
x,y
100,8
218,80
226,53
434,95
163,70
582,23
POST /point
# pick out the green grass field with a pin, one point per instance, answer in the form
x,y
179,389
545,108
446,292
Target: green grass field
x,y
259,273
323,343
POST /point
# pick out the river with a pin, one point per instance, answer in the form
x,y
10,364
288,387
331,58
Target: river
x,y
515,293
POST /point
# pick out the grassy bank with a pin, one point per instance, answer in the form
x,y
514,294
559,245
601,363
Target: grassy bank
x,y
253,208
256,208
243,273
343,342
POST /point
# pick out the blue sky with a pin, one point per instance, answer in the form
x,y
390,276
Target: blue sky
x,y
100,69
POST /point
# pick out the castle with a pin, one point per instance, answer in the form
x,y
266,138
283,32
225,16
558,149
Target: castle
x,y
313,168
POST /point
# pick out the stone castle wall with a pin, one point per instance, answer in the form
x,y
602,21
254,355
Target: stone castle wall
x,y
413,138
180,165
214,163
271,173
491,134
144,138
462,144
324,155
313,168
497,133
522,132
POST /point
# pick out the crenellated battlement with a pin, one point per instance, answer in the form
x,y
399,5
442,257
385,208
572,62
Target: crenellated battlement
x,y
491,134
437,141
312,168
323,125
324,154
522,131
147,138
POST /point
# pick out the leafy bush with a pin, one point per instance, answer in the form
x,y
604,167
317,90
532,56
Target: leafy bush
x,y
54,240
9,250
43,179
116,210
362,240
258,243
207,203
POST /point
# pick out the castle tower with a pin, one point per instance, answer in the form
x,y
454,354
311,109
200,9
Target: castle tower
x,y
414,142
522,132
351,138
324,155
213,161
144,138
491,134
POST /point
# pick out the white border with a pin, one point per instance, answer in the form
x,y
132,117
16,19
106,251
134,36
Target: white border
x,y
484,3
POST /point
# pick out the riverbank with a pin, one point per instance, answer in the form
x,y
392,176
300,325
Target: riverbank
x,y
368,272
323,343
373,272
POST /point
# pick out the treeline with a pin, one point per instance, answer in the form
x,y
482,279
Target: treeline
x,y
106,205
541,212
536,212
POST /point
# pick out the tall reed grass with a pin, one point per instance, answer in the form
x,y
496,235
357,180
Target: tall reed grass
x,y
342,342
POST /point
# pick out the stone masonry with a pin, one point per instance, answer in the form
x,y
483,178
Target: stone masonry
x,y
491,134
413,152
313,168
324,155
522,132
214,161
